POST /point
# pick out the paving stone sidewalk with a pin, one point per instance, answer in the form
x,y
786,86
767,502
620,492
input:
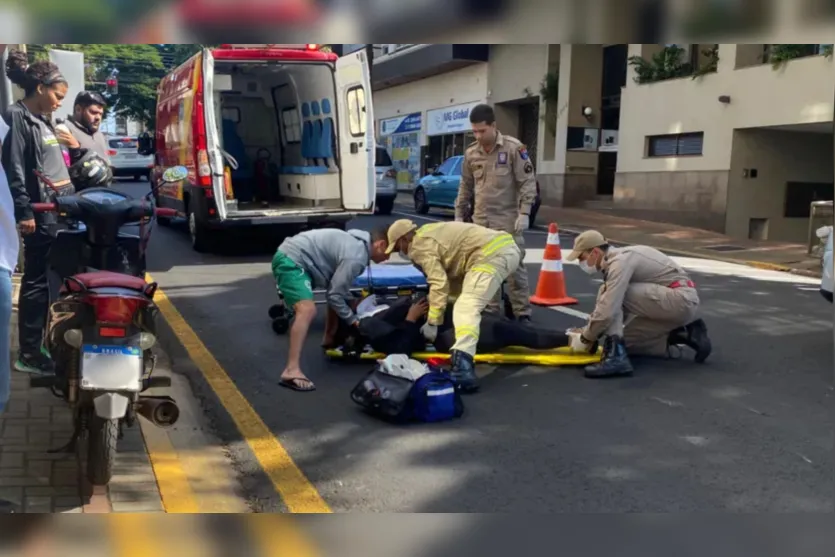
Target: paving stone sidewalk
x,y
779,256
36,421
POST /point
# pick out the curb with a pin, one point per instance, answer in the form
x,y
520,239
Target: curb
x,y
755,264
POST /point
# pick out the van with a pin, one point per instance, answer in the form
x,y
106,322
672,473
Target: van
x,y
273,136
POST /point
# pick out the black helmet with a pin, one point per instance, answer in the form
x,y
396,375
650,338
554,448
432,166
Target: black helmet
x,y
90,171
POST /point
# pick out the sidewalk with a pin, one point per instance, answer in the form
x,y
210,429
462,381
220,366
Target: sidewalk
x,y
684,241
36,421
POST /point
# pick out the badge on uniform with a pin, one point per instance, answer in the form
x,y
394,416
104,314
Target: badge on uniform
x,y
523,152
502,157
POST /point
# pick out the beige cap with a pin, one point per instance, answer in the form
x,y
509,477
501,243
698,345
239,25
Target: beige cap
x,y
589,239
397,230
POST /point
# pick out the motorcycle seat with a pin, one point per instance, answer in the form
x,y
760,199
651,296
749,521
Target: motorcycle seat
x,y
104,279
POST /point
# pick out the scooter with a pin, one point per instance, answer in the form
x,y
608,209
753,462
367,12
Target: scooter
x,y
101,329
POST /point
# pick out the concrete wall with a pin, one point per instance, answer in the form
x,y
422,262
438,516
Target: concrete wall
x,y
515,71
778,157
693,190
465,85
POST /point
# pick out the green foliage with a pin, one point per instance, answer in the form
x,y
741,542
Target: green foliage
x,y
670,63
175,54
550,87
140,70
712,63
779,54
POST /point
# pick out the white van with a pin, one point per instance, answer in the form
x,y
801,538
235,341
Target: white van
x,y
273,135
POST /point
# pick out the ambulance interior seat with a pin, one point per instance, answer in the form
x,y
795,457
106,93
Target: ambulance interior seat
x,y
326,144
235,146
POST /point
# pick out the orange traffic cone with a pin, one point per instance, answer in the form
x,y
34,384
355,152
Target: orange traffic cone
x,y
550,288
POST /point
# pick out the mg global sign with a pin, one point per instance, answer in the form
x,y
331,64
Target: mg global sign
x,y
453,119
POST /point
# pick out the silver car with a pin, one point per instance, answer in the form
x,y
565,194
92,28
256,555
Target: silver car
x,y
386,182
126,160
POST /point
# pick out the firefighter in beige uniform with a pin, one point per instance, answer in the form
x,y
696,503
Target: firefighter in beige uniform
x,y
457,258
646,304
498,172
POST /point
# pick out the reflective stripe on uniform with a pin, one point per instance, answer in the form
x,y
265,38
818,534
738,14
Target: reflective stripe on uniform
x,y
552,266
484,268
462,331
496,244
435,312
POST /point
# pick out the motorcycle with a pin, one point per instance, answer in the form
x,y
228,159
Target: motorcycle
x,y
101,329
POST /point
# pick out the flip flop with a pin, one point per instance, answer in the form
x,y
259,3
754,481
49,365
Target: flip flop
x,y
293,385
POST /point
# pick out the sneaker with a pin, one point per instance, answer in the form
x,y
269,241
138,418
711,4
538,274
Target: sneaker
x,y
37,364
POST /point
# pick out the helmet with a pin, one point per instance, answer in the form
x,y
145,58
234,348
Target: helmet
x,y
90,171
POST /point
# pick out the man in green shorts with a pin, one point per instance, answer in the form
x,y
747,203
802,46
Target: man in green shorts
x,y
326,258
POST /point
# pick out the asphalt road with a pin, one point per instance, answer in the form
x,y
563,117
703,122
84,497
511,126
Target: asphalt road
x,y
750,431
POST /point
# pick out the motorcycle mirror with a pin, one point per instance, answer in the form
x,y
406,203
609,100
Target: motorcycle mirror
x,y
175,174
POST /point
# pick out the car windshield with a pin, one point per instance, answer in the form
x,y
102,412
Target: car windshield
x,y
125,143
383,158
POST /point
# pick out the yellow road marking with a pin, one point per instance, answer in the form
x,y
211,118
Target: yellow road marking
x,y
297,492
132,535
280,536
172,480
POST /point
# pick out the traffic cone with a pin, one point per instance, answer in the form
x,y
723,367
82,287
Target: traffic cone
x,y
550,288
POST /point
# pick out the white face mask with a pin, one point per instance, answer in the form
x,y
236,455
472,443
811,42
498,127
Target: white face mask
x,y
404,255
586,268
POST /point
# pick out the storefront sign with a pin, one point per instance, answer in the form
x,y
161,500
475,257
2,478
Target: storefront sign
x,y
608,141
401,124
453,119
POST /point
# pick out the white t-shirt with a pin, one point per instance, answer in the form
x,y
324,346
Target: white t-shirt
x,y
9,243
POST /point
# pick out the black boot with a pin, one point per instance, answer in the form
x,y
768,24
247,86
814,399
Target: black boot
x,y
694,336
614,363
463,372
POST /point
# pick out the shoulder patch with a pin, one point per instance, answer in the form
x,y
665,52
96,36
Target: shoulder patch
x,y
523,152
528,168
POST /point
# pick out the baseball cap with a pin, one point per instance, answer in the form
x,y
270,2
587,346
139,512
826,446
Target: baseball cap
x,y
397,230
589,239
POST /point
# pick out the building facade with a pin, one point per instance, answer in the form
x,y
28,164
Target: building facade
x,y
732,138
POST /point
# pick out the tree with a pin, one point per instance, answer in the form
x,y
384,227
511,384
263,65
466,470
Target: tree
x,y
140,69
175,54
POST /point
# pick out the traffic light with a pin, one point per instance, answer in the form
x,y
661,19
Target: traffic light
x,y
113,85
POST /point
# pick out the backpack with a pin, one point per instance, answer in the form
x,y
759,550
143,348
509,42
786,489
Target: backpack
x,y
430,398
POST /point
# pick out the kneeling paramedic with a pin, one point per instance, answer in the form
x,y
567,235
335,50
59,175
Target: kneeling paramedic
x,y
462,258
647,304
326,258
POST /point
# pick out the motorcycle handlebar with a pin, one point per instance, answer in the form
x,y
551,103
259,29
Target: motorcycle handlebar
x,y
44,207
52,207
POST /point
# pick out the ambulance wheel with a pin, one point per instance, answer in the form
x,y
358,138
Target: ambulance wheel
x,y
201,236
276,311
281,325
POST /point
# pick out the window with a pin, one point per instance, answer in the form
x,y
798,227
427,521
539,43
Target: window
x,y
456,168
446,168
232,113
121,125
356,111
800,195
125,143
382,158
675,145
292,127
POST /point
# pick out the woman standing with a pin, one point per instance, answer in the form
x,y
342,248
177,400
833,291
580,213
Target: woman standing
x,y
33,144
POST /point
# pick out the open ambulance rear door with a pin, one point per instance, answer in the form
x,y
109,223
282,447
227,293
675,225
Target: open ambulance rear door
x,y
216,161
356,132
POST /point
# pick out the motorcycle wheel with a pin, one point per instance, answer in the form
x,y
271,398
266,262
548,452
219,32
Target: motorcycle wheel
x,y
101,449
281,325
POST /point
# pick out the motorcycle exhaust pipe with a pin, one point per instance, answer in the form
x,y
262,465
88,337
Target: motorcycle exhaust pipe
x,y
161,411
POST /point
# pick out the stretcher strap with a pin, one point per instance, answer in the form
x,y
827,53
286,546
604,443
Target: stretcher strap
x,y
510,356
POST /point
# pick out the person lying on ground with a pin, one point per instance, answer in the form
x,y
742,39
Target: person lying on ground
x,y
396,329
328,259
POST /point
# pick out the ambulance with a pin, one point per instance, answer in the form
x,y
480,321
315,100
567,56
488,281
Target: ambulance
x,y
274,136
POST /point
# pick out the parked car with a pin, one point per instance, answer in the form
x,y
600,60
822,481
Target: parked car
x,y
440,189
126,160
826,262
386,181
